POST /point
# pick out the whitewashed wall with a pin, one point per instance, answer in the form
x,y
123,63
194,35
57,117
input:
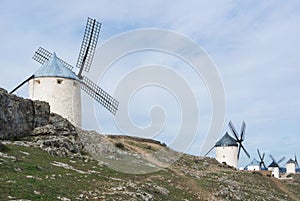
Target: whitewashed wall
x,y
290,168
227,154
62,94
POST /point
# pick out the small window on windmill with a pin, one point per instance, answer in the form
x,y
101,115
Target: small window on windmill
x,y
74,84
37,81
223,156
59,81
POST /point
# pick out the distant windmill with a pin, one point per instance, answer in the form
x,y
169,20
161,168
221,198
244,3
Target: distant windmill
x,y
292,165
253,166
228,149
261,157
56,83
274,166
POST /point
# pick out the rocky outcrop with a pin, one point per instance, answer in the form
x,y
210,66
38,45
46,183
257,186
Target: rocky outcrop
x,y
18,116
59,137
51,132
57,125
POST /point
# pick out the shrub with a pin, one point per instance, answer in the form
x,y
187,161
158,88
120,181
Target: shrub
x,y
120,145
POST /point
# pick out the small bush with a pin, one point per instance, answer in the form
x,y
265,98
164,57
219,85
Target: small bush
x,y
120,145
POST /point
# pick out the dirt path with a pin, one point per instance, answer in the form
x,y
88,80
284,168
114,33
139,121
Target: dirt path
x,y
282,187
193,186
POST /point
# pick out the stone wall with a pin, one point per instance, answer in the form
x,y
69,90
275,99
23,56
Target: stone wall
x,y
19,116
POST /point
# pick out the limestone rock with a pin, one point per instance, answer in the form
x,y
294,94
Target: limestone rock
x,y
62,125
18,116
65,146
59,137
41,111
49,129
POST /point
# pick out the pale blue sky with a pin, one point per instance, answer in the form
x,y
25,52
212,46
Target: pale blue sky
x,y
254,44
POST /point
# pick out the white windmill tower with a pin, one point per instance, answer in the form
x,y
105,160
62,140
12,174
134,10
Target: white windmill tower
x,y
254,165
274,166
291,165
57,84
228,149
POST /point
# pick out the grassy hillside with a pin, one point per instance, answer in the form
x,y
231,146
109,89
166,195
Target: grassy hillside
x,y
30,173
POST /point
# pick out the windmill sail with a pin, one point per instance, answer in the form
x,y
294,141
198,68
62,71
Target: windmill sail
x,y
241,139
88,45
232,128
261,157
42,55
282,159
100,95
243,131
245,151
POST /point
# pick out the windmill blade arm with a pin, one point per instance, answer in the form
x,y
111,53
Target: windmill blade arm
x,y
100,95
239,151
259,154
209,150
282,159
66,64
232,128
245,151
273,159
296,161
264,165
42,55
243,131
88,45
15,89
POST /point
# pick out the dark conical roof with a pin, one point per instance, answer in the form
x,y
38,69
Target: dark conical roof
x,y
55,68
291,161
226,141
273,164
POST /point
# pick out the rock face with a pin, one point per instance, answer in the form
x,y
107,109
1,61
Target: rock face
x,y
51,132
59,137
18,116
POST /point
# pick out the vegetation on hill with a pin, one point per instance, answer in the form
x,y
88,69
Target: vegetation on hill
x,y
30,173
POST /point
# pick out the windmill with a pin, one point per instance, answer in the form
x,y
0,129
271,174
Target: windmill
x,y
254,165
261,163
274,166
228,149
54,68
292,165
